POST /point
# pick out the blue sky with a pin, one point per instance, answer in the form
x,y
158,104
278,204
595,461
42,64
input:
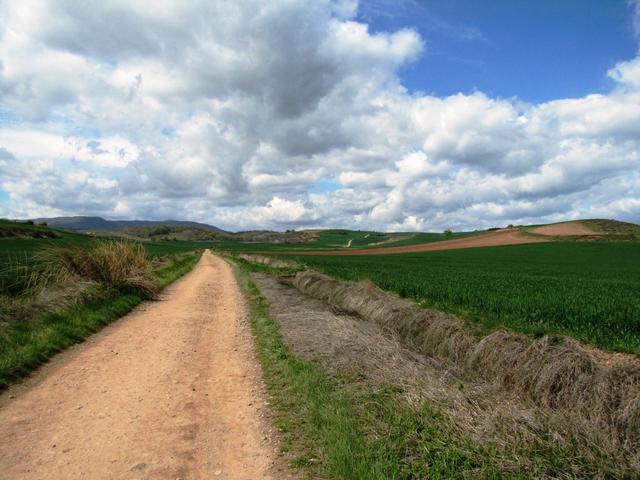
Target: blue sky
x,y
535,50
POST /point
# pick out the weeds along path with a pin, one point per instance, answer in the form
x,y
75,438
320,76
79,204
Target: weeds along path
x,y
172,390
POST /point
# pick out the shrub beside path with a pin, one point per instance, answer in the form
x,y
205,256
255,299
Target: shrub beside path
x,y
171,390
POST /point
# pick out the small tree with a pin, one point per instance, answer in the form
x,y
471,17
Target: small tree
x,y
448,233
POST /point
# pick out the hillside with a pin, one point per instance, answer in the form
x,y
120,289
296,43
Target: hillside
x,y
614,228
589,229
194,233
98,224
9,229
171,230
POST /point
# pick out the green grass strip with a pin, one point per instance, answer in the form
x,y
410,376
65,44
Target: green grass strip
x,y
25,345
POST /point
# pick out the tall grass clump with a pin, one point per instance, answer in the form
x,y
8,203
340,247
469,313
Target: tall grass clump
x,y
117,264
21,275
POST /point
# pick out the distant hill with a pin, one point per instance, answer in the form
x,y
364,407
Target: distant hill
x,y
170,229
180,232
98,224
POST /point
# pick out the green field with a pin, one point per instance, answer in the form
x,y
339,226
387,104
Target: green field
x,y
25,247
24,244
587,290
337,239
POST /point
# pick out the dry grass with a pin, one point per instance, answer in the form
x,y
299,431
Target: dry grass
x,y
269,261
591,398
118,264
23,276
58,277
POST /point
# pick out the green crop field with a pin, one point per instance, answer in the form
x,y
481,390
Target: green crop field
x,y
364,239
587,290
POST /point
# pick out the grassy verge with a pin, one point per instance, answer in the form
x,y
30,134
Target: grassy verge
x,y
24,345
341,427
180,265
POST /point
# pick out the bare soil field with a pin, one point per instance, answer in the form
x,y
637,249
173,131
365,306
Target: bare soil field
x,y
171,391
564,229
497,238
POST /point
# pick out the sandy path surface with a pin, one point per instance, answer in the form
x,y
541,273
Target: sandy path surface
x,y
565,229
493,239
171,391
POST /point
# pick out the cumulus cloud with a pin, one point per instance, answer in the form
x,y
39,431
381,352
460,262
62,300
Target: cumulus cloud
x,y
232,113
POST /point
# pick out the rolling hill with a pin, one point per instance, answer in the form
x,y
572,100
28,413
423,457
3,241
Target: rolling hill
x,y
98,224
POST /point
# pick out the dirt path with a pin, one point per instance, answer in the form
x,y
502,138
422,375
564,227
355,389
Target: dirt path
x,y
170,391
500,237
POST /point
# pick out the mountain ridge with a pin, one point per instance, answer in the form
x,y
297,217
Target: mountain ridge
x,y
99,224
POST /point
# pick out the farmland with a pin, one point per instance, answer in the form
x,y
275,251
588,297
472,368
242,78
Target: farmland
x,y
586,290
342,239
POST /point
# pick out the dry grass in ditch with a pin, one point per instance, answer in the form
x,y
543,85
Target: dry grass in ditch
x,y
595,399
269,261
118,264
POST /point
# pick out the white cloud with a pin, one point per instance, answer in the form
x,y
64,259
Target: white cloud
x,y
231,112
627,74
112,151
